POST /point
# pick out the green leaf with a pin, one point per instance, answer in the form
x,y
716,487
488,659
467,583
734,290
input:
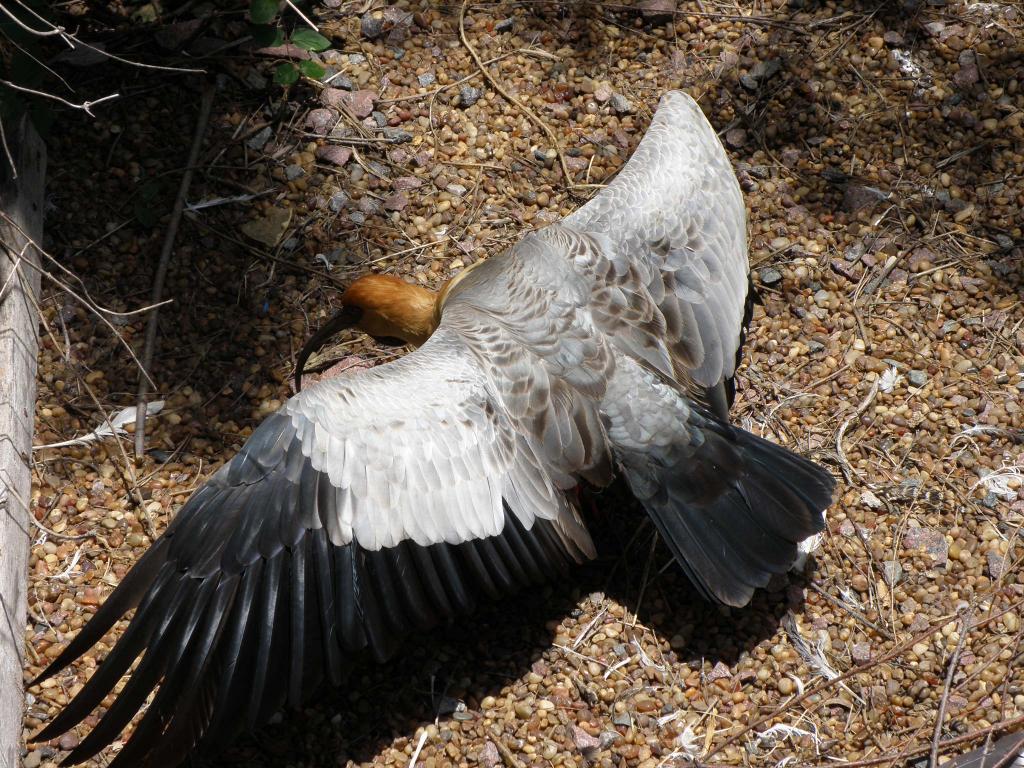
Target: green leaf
x,y
306,38
286,74
312,69
262,11
266,36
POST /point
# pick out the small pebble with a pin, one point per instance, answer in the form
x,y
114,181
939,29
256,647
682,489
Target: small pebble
x,y
620,104
337,202
259,139
917,378
468,96
860,653
371,24
892,572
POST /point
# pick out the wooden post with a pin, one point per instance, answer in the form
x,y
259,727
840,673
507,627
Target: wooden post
x,y
21,206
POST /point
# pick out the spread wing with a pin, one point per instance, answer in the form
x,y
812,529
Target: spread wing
x,y
674,223
377,505
368,508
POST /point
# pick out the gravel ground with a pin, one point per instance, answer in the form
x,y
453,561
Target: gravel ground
x,y
881,150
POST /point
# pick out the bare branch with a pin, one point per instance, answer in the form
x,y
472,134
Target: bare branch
x,y
42,64
205,107
85,106
67,288
72,41
54,30
302,15
138,64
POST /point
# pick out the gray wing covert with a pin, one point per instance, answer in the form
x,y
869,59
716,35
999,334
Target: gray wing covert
x,y
675,217
526,317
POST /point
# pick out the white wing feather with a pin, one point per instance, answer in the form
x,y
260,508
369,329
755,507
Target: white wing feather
x,y
675,213
419,450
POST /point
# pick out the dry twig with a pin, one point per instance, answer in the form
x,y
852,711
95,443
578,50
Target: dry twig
x,y
506,754
514,101
83,298
301,15
844,463
85,106
933,760
967,738
206,105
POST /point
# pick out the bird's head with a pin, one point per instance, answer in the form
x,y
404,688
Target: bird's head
x,y
387,308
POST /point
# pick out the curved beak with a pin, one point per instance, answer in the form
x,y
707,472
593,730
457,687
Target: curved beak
x,y
346,317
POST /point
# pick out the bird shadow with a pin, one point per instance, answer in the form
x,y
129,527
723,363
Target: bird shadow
x,y
452,669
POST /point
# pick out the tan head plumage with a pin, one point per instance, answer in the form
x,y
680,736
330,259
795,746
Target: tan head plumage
x,y
393,307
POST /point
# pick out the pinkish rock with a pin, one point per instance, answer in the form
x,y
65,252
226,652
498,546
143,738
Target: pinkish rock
x,y
861,653
658,11
920,256
996,565
403,183
359,103
736,137
397,202
332,97
720,671
930,540
320,121
860,196
68,741
286,51
584,741
968,74
919,624
956,703
489,755
334,155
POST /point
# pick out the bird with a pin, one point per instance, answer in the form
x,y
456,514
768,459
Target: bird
x,y
377,505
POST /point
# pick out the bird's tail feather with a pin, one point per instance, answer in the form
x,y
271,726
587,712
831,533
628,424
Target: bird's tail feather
x,y
732,508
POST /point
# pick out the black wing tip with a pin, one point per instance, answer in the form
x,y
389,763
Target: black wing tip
x,y
451,585
734,511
